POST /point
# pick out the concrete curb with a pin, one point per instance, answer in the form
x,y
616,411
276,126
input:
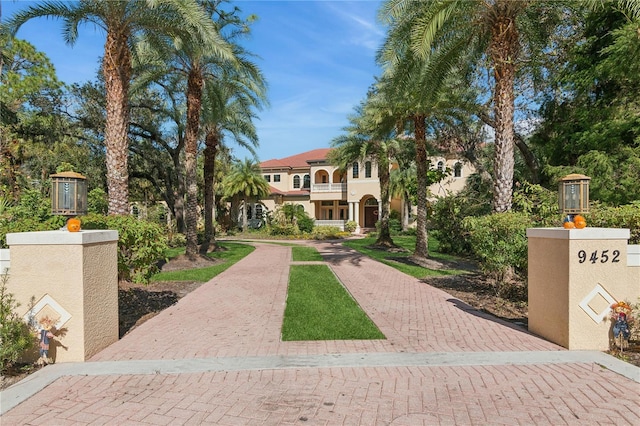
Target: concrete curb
x,y
31,385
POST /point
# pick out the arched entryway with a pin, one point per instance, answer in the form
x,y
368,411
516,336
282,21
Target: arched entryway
x,y
370,213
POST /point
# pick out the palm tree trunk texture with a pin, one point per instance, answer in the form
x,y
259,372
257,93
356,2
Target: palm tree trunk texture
x,y
211,144
422,248
194,101
503,51
384,239
116,70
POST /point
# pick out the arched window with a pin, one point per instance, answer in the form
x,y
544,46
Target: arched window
x,y
356,171
307,182
367,169
457,170
440,166
296,181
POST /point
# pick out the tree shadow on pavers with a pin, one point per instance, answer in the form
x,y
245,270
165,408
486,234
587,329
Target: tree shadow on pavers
x,y
515,325
479,292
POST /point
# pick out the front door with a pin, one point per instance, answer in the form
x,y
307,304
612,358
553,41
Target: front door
x,y
370,216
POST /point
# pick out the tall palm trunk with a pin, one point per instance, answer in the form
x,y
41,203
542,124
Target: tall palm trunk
x,y
211,148
422,248
384,239
503,51
194,100
116,66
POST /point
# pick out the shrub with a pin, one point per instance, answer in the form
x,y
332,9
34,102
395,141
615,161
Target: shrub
x,y
350,226
327,233
15,336
141,244
627,216
539,203
305,223
32,205
446,221
289,219
499,241
97,201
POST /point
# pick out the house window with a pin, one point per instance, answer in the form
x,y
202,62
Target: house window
x,y
249,212
307,182
356,171
267,178
276,178
296,181
440,166
258,211
457,170
367,169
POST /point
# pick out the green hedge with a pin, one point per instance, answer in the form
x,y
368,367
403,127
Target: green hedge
x,y
141,244
627,216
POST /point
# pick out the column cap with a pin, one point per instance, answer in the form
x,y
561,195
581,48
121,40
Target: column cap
x,y
579,234
60,237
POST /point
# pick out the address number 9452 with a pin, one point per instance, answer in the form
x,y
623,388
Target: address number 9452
x,y
602,256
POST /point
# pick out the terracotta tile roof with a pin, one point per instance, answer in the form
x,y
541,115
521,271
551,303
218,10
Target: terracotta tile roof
x,y
297,192
296,161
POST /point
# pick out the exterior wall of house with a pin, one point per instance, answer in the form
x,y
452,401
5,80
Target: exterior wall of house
x,y
335,196
456,181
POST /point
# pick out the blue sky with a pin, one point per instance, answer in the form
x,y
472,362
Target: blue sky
x,y
318,58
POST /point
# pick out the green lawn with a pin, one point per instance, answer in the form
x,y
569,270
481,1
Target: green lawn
x,y
319,308
233,252
408,243
305,254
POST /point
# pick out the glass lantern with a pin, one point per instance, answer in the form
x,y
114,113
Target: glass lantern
x,y
573,194
68,194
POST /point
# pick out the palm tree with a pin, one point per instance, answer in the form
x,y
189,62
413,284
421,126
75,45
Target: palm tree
x,y
123,22
444,31
197,63
245,180
228,108
413,101
403,182
230,100
369,136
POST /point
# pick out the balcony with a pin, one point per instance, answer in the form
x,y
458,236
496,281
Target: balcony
x,y
328,191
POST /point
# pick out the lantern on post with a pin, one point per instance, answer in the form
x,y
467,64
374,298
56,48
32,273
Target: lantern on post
x,y
69,196
573,195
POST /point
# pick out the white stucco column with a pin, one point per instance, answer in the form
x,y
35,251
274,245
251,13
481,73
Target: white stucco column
x,y
356,213
350,211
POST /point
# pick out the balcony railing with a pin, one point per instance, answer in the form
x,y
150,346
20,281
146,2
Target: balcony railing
x,y
336,223
328,187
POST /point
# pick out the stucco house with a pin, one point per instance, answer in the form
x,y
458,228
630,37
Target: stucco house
x,y
333,197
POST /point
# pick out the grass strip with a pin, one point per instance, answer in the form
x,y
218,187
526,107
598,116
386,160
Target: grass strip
x,y
319,308
394,259
305,254
231,253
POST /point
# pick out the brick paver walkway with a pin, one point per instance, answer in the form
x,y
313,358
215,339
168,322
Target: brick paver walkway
x,y
216,358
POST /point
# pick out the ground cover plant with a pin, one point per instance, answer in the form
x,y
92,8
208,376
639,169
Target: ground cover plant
x,y
319,308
